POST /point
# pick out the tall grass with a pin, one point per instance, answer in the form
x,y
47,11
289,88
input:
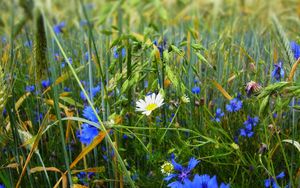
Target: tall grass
x,y
218,46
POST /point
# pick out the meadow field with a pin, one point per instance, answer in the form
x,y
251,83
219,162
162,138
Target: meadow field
x,y
150,93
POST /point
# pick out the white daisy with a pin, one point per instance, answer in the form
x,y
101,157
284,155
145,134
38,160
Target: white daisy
x,y
150,103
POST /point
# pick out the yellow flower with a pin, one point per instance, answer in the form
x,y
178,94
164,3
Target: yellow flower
x,y
167,168
150,103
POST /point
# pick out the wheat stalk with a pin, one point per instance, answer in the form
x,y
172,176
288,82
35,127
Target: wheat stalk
x,y
3,90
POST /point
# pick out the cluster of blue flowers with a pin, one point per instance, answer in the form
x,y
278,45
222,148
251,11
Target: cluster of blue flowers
x,y
219,115
247,131
116,53
270,182
94,92
84,177
183,174
88,132
234,105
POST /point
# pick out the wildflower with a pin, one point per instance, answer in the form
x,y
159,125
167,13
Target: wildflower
x,y
251,121
28,43
278,71
296,49
150,103
161,47
45,83
182,174
58,28
95,91
89,114
66,89
196,90
63,64
234,105
246,132
219,115
204,181
185,99
2,186
30,88
84,177
252,87
271,181
88,132
167,168
116,53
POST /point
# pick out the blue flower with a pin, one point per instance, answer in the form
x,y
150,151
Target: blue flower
x,y
246,133
219,115
204,181
2,186
196,90
89,114
58,28
28,43
30,88
251,121
45,83
182,174
234,105
87,134
271,181
63,64
116,53
95,91
84,177
66,89
296,49
161,47
278,72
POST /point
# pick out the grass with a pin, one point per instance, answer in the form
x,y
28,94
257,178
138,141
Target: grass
x,y
216,45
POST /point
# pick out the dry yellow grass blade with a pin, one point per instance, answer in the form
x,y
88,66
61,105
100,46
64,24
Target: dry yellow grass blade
x,y
97,140
51,169
292,73
79,186
222,90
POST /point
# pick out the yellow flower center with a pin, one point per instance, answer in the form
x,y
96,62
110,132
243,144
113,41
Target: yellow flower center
x,y
168,168
151,107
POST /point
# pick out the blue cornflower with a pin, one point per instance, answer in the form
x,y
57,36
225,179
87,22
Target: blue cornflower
x,y
251,121
84,177
271,181
2,186
89,114
63,64
246,132
66,89
30,88
278,72
28,43
296,49
58,28
86,56
234,105
161,47
219,115
95,91
204,181
116,53
46,83
88,133
196,90
182,174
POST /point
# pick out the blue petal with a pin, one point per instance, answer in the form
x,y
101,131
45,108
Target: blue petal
x,y
213,182
177,166
267,182
176,184
192,163
170,177
280,176
223,185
